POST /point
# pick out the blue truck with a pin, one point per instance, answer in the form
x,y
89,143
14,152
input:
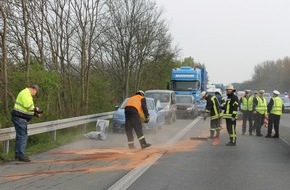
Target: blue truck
x,y
188,80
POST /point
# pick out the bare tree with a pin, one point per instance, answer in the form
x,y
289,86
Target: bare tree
x,y
136,33
87,14
3,33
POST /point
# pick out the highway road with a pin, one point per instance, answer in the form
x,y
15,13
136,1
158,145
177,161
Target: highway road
x,y
173,162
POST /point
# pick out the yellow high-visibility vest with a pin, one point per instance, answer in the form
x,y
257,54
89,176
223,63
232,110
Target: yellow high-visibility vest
x,y
24,102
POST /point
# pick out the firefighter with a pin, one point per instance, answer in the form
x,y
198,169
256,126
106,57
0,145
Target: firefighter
x,y
221,101
260,111
275,109
246,106
230,114
212,109
136,109
23,111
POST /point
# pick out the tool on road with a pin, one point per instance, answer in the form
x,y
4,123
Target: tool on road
x,y
199,137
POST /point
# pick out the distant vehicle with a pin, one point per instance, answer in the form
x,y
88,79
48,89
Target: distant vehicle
x,y
267,97
186,80
157,116
201,107
167,100
186,107
286,102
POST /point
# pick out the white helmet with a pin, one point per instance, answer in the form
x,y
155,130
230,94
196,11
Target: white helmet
x,y
276,92
140,92
203,94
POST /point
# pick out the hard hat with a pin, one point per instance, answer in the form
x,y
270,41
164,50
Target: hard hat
x,y
276,92
262,91
140,92
255,92
248,91
230,87
203,94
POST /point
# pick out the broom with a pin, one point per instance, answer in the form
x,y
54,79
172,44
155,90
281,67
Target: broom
x,y
199,137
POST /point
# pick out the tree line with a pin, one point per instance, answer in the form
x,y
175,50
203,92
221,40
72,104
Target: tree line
x,y
86,55
269,75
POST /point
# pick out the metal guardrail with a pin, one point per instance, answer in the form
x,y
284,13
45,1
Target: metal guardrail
x,y
51,126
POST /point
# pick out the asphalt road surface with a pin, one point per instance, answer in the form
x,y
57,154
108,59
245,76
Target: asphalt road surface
x,y
173,162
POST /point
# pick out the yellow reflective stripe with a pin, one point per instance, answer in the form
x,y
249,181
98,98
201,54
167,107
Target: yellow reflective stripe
x,y
131,142
226,116
140,138
233,135
214,117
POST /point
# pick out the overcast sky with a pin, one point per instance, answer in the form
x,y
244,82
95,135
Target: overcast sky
x,y
229,36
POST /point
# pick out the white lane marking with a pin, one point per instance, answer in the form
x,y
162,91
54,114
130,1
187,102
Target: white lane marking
x,y
135,173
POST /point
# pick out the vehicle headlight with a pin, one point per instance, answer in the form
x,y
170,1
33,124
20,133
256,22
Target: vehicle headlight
x,y
166,108
189,109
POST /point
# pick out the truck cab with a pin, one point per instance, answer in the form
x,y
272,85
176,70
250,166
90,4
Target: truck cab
x,y
188,81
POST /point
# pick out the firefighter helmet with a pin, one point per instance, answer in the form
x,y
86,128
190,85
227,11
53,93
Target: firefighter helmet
x,y
202,95
140,92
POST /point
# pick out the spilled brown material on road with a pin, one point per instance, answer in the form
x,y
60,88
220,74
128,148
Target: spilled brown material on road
x,y
106,159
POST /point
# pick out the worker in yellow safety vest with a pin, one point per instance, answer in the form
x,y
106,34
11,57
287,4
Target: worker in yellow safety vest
x,y
135,110
22,113
246,106
275,109
260,111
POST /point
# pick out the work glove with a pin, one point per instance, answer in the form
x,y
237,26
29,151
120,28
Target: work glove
x,y
233,119
147,120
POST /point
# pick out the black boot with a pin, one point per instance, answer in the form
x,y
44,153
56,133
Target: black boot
x,y
131,146
144,144
230,143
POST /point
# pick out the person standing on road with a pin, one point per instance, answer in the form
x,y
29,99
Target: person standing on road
x,y
22,113
135,108
221,101
212,109
260,111
246,106
275,109
230,114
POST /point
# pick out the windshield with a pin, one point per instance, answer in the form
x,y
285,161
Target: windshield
x,y
183,99
185,85
150,104
161,96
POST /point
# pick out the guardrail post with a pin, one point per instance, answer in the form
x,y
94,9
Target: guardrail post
x,y
6,146
54,135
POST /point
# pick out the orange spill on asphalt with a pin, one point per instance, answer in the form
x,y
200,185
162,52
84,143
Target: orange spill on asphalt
x,y
105,159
